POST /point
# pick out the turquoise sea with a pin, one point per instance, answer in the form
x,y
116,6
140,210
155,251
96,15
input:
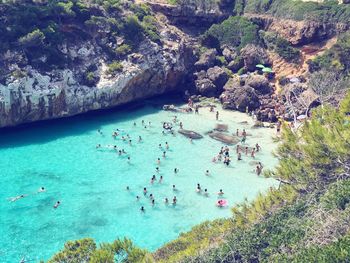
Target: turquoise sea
x,y
91,183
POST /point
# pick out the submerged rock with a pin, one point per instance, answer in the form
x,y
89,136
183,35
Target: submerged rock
x,y
190,134
221,127
224,137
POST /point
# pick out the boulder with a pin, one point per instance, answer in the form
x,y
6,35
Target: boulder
x,y
218,76
229,53
221,127
206,88
232,83
240,99
253,55
236,64
190,134
224,137
259,83
206,60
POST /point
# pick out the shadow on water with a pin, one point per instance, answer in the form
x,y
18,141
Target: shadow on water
x,y
48,130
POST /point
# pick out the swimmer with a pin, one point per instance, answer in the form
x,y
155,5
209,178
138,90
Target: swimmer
x,y
163,132
158,161
120,152
166,145
137,198
128,159
149,124
128,136
166,200
134,123
161,179
164,154
143,122
144,190
176,170
127,188
14,199
220,192
98,146
140,139
160,146
57,204
145,127
142,209
157,169
100,132
198,190
257,146
253,153
191,141
129,142
151,196
217,115
174,200
153,202
239,157
206,192
123,138
207,173
41,189
181,125
174,188
123,151
115,147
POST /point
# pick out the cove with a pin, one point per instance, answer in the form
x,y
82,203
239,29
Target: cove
x,y
90,183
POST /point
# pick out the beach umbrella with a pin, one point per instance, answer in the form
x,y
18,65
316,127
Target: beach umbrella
x,y
260,66
301,117
267,70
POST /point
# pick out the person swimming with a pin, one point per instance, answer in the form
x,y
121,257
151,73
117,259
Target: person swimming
x,y
161,179
158,161
166,200
98,146
127,188
100,132
176,170
151,196
152,202
144,190
142,209
174,188
220,192
206,192
57,204
174,200
41,189
16,198
143,122
140,139
129,142
157,169
207,173
129,159
134,123
198,189
120,152
166,145
137,198
164,154
160,146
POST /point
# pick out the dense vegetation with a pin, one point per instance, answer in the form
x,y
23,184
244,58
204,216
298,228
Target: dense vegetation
x,y
337,58
329,11
39,31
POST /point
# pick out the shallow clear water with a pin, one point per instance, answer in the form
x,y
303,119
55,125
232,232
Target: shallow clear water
x,y
91,183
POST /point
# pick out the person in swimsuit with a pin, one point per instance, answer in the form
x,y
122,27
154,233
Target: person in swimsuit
x,y
57,204
142,209
239,158
41,189
217,115
220,192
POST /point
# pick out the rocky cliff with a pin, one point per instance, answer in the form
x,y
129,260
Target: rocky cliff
x,y
154,69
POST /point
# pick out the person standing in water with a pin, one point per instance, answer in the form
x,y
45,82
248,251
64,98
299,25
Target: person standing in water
x,y
217,115
181,125
176,170
166,145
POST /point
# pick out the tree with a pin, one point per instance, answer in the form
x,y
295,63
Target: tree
x,y
32,39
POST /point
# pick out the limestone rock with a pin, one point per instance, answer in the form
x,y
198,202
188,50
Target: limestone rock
x,y
218,76
240,98
253,55
206,60
259,83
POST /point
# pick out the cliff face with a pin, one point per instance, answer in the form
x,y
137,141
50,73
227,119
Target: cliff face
x,y
298,32
153,70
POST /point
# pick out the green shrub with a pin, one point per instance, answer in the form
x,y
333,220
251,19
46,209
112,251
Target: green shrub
x,y
235,31
123,50
32,39
114,68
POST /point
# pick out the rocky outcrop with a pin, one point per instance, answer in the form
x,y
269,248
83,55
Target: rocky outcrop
x,y
154,70
192,12
210,83
253,55
218,76
299,32
241,98
260,83
206,60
